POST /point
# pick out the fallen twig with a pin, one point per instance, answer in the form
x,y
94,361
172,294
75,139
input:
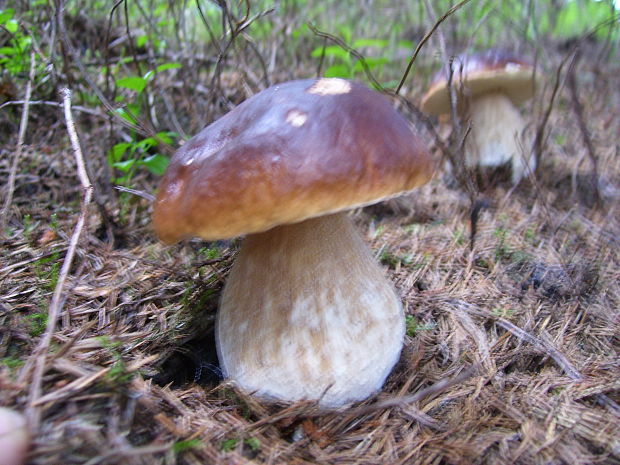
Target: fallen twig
x,y
90,111
23,124
39,356
144,195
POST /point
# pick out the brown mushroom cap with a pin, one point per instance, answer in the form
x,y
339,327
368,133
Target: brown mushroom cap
x,y
294,151
478,73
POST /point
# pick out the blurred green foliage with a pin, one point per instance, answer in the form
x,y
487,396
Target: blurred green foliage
x,y
152,43
14,57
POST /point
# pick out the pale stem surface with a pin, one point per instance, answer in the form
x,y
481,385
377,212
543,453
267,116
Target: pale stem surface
x,y
307,313
495,138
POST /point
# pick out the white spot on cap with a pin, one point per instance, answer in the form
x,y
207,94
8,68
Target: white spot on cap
x,y
296,118
174,189
330,86
513,67
188,162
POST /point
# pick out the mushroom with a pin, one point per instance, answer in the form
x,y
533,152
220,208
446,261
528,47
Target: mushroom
x,y
306,312
489,85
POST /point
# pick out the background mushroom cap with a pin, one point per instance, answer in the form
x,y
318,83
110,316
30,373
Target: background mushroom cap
x,y
477,73
294,151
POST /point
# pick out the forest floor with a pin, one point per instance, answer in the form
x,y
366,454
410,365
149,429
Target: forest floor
x,y
524,326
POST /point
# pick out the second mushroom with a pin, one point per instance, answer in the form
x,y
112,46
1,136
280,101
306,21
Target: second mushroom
x,y
488,85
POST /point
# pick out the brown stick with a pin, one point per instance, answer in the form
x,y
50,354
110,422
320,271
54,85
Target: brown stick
x,y
425,39
585,134
540,130
23,124
39,357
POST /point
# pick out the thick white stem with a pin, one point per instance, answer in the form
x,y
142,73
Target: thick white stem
x,y
495,138
307,313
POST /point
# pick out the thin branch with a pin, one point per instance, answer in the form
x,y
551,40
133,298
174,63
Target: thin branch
x,y
585,135
540,130
343,45
458,136
425,39
235,31
319,67
39,356
456,121
214,41
261,60
144,195
446,151
90,111
23,124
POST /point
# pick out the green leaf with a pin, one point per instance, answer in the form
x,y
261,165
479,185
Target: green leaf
x,y
371,62
145,144
8,51
340,71
165,137
12,26
181,446
331,51
405,44
166,66
297,32
135,83
345,32
228,444
125,115
156,164
133,108
124,166
575,18
117,152
317,52
5,15
377,43
141,41
252,443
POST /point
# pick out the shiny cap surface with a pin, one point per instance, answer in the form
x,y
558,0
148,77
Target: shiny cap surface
x,y
294,151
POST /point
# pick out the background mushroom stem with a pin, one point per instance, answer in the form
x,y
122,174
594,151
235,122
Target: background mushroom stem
x,y
307,313
496,135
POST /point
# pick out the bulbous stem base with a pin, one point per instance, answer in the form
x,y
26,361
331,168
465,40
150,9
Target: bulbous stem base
x,y
307,313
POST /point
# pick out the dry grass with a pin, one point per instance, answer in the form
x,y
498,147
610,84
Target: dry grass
x,y
527,323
